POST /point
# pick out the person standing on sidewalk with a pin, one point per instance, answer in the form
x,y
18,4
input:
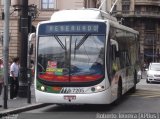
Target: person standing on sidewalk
x,y
1,77
14,82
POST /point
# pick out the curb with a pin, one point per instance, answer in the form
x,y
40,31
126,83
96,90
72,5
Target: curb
x,y
22,109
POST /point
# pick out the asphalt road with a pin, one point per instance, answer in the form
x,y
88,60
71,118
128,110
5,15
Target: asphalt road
x,y
145,103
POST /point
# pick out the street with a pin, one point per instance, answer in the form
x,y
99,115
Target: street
x,y
144,101
74,51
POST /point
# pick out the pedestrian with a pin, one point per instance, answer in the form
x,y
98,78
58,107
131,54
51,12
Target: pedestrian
x,y
1,75
32,70
32,67
14,82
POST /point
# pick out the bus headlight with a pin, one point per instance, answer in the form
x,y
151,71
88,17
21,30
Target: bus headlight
x,y
97,88
42,88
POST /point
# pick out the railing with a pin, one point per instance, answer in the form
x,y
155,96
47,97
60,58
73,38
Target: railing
x,y
151,2
139,13
126,2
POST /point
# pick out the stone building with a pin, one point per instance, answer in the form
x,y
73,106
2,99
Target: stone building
x,y
45,8
142,15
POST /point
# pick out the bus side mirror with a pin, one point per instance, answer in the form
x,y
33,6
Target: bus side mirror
x,y
30,45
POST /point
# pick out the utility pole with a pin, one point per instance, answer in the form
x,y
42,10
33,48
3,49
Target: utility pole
x,y
6,50
153,50
23,52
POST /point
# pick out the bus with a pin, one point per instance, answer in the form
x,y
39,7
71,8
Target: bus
x,y
84,56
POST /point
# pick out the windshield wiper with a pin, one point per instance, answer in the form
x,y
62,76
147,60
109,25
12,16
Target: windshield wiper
x,y
82,41
60,42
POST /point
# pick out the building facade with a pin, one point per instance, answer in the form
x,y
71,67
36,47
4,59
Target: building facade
x,y
142,15
45,8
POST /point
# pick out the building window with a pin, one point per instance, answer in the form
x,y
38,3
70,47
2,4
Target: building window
x,y
125,6
150,26
137,9
115,8
150,39
48,4
91,3
125,9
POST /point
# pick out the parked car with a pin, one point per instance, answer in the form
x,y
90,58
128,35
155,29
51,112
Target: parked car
x,y
153,73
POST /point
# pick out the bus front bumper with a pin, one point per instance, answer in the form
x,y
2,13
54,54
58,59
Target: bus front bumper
x,y
103,97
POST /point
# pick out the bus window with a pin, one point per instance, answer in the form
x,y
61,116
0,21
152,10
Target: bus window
x,y
71,56
115,60
112,60
124,59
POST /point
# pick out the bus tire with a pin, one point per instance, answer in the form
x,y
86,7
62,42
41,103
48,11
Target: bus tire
x,y
133,89
119,93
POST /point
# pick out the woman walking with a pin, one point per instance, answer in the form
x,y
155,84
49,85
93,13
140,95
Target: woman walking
x,y
14,83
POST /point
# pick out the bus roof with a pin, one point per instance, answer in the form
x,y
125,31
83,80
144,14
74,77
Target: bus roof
x,y
80,14
91,14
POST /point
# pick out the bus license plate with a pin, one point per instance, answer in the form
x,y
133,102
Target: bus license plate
x,y
69,97
73,90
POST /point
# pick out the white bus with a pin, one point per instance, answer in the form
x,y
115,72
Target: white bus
x,y
84,57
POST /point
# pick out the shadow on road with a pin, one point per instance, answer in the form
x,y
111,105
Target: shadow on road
x,y
87,107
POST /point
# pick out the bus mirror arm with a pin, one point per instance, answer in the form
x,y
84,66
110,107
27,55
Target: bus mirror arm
x,y
30,45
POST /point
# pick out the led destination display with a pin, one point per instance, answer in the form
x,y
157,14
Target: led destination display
x,y
72,28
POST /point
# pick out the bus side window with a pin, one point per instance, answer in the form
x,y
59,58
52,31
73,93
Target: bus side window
x,y
128,62
124,59
115,60
109,60
115,53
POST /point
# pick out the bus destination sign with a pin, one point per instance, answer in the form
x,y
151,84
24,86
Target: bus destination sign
x,y
72,28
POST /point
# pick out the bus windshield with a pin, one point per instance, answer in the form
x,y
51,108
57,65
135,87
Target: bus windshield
x,y
71,57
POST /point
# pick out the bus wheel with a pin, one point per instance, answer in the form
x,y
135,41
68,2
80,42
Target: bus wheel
x,y
119,93
133,89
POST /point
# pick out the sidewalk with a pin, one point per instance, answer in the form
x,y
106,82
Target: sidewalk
x,y
19,104
144,74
